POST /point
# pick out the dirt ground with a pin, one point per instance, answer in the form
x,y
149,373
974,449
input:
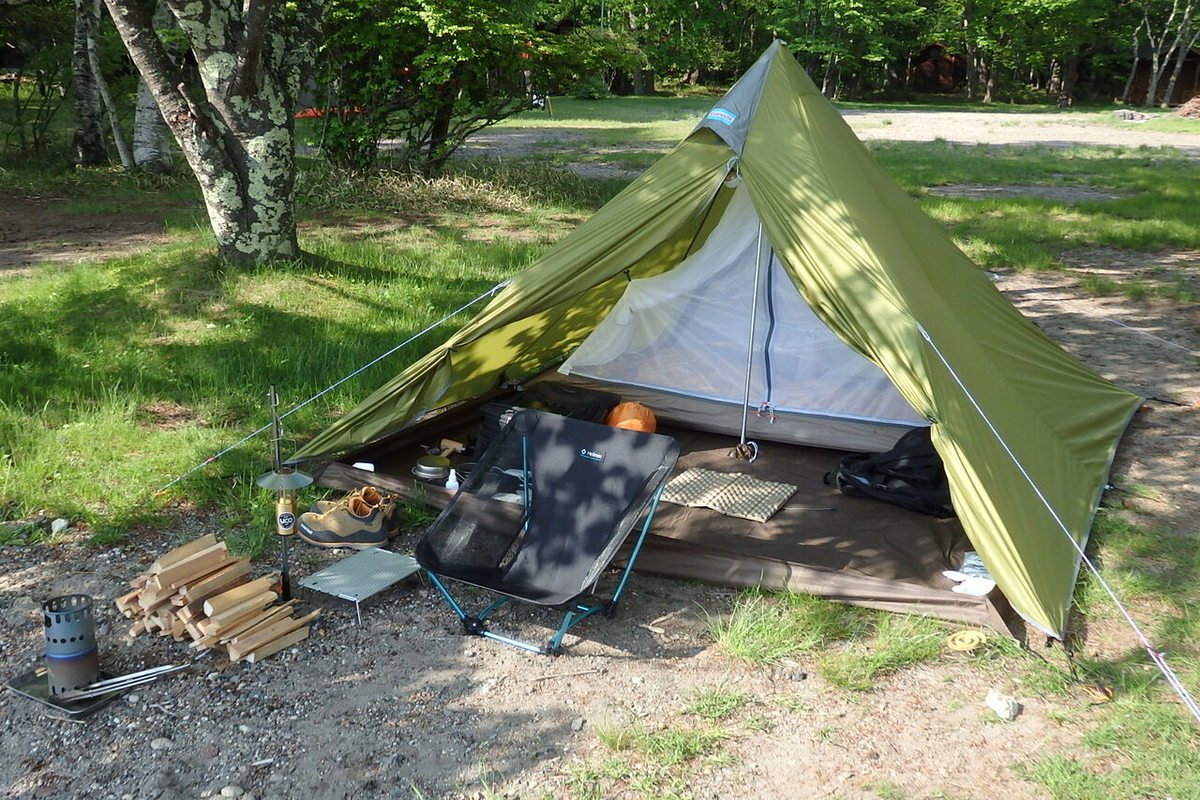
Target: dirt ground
x,y
960,127
33,231
402,706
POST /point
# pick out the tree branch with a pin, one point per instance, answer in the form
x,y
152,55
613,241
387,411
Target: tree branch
x,y
310,29
196,21
135,24
248,58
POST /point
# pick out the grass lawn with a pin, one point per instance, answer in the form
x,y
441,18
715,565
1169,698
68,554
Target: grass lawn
x,y
118,376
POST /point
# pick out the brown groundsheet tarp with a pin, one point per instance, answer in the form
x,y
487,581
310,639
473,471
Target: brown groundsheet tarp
x,y
865,552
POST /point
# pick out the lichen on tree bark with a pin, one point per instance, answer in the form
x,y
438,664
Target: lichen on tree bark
x,y
232,116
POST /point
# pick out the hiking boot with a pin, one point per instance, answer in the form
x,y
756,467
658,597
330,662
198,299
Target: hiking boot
x,y
356,524
372,496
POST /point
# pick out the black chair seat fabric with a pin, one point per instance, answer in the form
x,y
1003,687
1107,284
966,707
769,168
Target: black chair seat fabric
x,y
587,485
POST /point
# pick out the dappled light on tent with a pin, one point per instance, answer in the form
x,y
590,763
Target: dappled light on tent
x,y
651,337
872,321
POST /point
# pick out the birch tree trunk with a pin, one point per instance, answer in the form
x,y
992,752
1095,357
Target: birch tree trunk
x,y
968,23
1187,41
1133,65
1157,50
88,138
93,55
151,136
235,127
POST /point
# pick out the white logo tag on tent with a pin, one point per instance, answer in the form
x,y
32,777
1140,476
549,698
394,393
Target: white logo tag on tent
x,y
722,115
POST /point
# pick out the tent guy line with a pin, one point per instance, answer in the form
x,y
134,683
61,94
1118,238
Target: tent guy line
x,y
1073,302
1159,658
490,292
650,298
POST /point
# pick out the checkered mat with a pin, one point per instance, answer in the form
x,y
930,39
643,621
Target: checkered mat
x,y
733,494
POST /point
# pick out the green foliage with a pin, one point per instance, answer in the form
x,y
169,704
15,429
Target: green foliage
x,y
854,646
591,782
715,703
42,33
1142,747
667,746
1155,206
898,641
590,87
171,363
463,187
765,628
429,73
842,41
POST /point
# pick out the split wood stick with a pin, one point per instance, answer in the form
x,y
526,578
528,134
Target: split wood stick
x,y
256,603
180,587
227,600
195,609
267,617
193,630
205,570
152,602
126,601
173,557
239,613
244,646
218,628
192,567
137,628
277,645
164,625
139,581
205,642
219,581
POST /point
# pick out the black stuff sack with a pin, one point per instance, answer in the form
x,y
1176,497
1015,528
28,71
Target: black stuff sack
x,y
576,402
910,475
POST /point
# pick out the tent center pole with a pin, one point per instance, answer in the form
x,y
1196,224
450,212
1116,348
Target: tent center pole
x,y
742,450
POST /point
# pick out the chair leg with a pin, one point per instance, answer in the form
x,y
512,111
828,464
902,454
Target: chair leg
x,y
476,624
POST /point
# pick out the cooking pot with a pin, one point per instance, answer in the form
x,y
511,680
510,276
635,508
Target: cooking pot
x,y
432,468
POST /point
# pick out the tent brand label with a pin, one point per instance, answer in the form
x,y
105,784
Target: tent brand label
x,y
591,455
722,115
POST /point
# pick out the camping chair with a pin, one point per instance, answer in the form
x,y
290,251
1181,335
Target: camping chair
x,y
543,513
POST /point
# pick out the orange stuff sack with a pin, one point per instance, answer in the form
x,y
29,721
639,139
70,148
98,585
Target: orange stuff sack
x,y
632,416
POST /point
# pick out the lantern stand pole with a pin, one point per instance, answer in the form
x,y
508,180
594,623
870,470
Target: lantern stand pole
x,y
284,481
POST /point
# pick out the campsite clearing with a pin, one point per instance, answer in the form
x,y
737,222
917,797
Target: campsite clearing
x,y
404,707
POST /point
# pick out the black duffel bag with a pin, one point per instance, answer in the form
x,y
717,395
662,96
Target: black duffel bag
x,y
910,475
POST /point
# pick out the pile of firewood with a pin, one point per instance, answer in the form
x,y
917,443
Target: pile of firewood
x,y
200,592
1190,109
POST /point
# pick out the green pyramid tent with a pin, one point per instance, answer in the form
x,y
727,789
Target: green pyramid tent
x,y
852,312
